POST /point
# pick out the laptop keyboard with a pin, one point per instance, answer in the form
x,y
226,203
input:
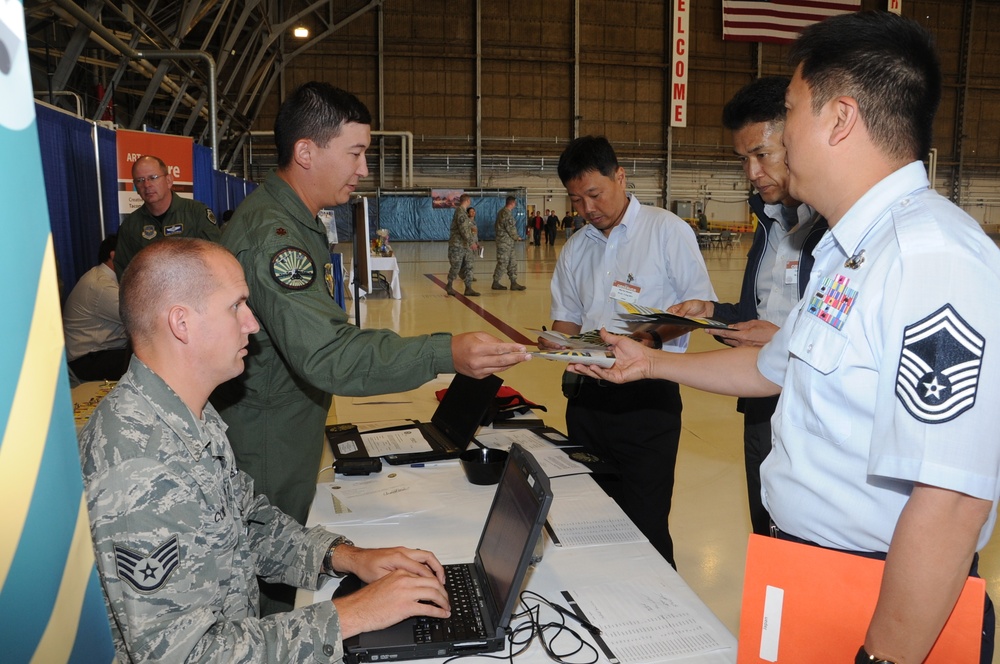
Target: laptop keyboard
x,y
466,621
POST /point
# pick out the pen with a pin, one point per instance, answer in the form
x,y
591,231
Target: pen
x,y
586,625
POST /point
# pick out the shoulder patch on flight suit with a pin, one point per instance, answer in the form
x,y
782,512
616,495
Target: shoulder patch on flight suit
x,y
211,217
293,268
147,573
939,367
148,232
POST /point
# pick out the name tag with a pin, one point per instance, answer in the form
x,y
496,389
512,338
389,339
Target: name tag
x,y
792,272
625,292
173,229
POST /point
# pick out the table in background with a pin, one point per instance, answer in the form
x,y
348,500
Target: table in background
x,y
380,264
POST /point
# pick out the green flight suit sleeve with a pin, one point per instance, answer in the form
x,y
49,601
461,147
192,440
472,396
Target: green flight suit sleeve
x,y
313,337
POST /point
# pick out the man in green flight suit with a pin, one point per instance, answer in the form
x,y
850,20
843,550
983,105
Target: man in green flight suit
x,y
162,214
306,350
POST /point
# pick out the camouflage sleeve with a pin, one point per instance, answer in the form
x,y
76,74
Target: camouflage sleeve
x,y
174,571
465,231
286,552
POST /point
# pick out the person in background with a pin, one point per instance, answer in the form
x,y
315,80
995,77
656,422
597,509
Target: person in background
x,y
96,345
644,255
567,224
885,435
778,265
179,533
506,235
551,228
462,243
162,214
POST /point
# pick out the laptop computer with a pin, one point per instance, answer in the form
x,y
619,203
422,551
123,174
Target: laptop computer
x,y
505,549
453,425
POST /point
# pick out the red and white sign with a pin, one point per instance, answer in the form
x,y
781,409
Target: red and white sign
x,y
679,67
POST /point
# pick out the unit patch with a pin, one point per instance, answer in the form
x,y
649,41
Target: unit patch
x,y
147,573
211,217
293,268
939,367
148,232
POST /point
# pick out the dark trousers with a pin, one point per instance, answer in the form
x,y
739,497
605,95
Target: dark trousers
x,y
102,364
756,446
989,612
635,428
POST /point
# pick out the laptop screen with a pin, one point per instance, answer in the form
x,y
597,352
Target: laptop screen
x,y
463,406
519,508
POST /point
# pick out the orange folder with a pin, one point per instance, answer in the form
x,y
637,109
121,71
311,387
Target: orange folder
x,y
802,603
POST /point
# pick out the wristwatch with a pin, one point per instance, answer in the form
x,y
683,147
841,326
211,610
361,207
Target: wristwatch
x,y
328,558
864,658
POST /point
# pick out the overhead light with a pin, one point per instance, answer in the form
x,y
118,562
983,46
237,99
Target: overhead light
x,y
301,32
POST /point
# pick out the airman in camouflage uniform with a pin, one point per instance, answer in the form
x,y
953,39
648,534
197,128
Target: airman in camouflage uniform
x,y
180,536
506,234
461,244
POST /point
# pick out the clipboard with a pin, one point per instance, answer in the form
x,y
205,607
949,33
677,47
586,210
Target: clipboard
x,y
803,603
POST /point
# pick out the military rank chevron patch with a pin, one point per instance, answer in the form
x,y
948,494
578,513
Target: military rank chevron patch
x,y
939,367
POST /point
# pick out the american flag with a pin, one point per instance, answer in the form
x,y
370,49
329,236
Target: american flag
x,y
778,21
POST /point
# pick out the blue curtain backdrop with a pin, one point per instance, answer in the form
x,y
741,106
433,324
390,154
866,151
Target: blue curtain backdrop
x,y
71,191
108,164
412,217
71,165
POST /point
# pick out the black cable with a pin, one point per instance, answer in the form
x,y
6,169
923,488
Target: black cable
x,y
521,635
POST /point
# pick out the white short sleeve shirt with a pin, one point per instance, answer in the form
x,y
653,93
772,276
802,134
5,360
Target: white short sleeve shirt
x,y
651,250
890,367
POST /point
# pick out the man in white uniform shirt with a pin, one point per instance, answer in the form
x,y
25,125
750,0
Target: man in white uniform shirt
x,y
639,254
885,436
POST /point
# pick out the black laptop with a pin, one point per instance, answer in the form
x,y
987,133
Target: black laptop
x,y
482,593
453,425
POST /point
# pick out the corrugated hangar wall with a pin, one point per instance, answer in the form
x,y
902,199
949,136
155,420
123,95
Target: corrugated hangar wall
x,y
537,92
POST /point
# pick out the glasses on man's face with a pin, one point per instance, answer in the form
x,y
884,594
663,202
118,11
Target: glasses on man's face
x,y
149,178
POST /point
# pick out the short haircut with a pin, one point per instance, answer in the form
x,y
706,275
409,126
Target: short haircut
x,y
587,153
471,209
888,64
162,164
316,111
762,100
108,245
164,273
463,198
511,199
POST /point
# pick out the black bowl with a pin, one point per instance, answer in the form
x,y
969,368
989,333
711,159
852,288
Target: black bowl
x,y
483,465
